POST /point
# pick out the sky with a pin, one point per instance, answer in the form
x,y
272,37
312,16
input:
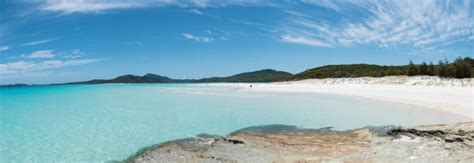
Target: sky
x,y
62,41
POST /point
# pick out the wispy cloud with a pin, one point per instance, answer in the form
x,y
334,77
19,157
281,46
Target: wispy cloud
x,y
49,54
197,38
330,4
470,37
414,24
418,24
3,48
196,11
40,54
19,67
305,41
295,13
88,6
39,42
94,6
75,53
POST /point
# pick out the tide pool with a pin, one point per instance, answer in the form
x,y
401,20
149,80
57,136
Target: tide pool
x,y
96,123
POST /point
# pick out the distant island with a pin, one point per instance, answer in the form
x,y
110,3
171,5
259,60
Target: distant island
x,y
148,78
459,68
266,75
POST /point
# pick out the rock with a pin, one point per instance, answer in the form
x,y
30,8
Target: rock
x,y
234,141
280,143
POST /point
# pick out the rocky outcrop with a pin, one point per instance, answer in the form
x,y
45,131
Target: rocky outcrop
x,y
279,143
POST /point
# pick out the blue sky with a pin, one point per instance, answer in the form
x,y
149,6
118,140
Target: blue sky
x,y
60,41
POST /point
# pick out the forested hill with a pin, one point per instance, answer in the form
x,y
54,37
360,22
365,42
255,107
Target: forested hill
x,y
148,78
351,70
266,75
459,68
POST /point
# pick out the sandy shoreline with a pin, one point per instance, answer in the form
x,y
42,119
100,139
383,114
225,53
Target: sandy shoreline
x,y
451,95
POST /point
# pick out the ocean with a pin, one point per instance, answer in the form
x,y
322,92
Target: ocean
x,y
110,122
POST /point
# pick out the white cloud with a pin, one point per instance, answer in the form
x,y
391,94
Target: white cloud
x,y
220,3
198,38
13,67
417,24
200,3
88,6
75,53
40,54
330,4
3,48
305,41
470,38
196,11
36,74
95,6
38,42
19,67
295,13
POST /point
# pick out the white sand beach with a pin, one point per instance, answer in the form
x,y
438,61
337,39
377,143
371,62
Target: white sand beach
x,y
451,95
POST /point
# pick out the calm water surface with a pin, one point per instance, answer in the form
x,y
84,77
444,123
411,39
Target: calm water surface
x,y
110,122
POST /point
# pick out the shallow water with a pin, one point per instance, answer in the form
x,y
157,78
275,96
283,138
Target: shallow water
x,y
111,122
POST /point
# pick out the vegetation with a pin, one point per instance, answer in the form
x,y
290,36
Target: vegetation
x,y
266,75
148,78
460,68
15,85
412,69
463,68
353,70
256,76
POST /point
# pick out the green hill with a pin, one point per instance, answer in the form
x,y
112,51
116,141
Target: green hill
x,y
266,75
352,70
256,76
148,78
459,68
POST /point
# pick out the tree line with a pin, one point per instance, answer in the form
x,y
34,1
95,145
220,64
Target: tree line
x,y
459,68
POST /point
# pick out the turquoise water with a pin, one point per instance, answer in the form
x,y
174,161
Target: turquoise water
x,y
110,122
